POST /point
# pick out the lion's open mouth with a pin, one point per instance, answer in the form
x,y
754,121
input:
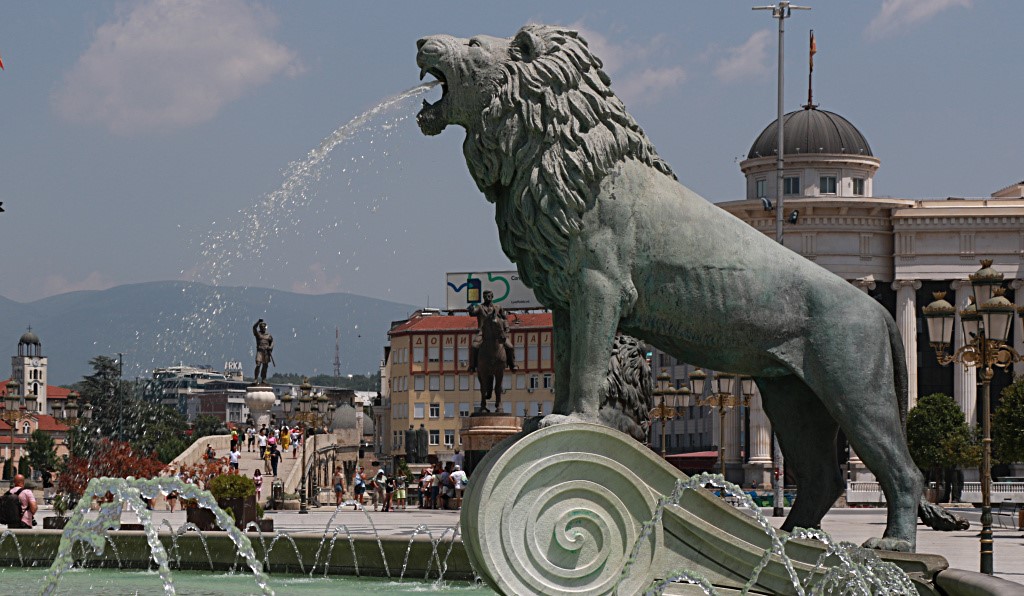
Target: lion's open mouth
x,y
432,118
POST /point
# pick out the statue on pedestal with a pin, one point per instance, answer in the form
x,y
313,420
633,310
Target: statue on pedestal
x,y
491,350
411,446
264,351
422,444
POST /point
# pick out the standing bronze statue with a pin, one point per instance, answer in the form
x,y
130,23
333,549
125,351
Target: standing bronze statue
x,y
264,351
491,350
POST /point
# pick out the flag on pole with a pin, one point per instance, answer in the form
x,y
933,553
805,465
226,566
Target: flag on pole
x,y
814,49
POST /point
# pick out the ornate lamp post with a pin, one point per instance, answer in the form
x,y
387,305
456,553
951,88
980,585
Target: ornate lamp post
x,y
311,412
986,322
724,399
661,412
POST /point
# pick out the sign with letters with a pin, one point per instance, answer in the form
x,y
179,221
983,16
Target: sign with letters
x,y
508,290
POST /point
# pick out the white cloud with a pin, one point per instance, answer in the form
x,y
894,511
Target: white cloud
x,y
168,64
635,78
899,13
744,61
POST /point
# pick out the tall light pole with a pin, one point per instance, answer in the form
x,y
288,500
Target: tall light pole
x,y
780,11
986,321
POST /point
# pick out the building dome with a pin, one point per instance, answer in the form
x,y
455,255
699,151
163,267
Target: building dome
x,y
30,339
812,131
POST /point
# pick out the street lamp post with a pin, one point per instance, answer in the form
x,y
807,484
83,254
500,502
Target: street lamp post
x,y
723,399
986,323
780,11
311,412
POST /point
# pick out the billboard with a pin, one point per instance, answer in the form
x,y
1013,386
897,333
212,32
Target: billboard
x,y
464,289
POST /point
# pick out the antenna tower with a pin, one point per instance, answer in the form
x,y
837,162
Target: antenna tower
x,y
337,354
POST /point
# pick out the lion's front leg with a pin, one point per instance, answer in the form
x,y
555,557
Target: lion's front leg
x,y
562,347
596,306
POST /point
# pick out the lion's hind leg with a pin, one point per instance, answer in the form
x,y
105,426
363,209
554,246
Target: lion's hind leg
x,y
807,434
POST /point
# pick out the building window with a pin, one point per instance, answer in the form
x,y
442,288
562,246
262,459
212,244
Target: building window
x,y
464,409
417,411
520,381
463,382
449,410
464,355
545,353
506,407
435,437
506,382
791,185
449,354
417,383
417,354
26,429
549,381
433,354
435,410
449,382
827,185
449,437
761,188
520,352
521,409
534,381
435,382
547,407
858,187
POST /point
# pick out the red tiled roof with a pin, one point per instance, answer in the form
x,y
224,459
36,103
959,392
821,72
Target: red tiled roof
x,y
6,440
52,391
436,323
45,422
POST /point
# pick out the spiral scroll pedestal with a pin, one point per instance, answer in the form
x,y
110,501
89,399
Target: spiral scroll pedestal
x,y
563,509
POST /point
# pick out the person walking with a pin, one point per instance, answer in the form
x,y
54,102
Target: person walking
x,y
234,439
233,456
275,458
26,504
400,491
263,442
389,492
250,436
172,500
379,480
359,486
445,490
425,481
266,461
339,487
435,487
459,481
257,479
47,478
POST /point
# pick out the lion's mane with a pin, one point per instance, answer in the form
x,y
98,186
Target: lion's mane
x,y
552,131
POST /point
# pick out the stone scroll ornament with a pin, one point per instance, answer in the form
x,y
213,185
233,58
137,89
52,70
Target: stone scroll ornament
x,y
605,235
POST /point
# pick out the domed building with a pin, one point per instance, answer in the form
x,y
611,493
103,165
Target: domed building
x,y
898,250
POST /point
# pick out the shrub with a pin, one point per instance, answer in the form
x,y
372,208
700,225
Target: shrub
x,y
232,486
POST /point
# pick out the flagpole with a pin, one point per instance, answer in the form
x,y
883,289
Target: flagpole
x,y
810,72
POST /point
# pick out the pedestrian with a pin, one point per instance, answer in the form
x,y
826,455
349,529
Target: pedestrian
x,y
275,457
459,480
172,499
47,478
234,439
296,435
445,491
233,456
359,486
250,434
339,487
257,479
210,453
25,504
286,441
400,491
458,458
379,482
435,487
266,461
389,492
425,482
263,441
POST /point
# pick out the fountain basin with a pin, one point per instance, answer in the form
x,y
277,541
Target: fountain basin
x,y
131,551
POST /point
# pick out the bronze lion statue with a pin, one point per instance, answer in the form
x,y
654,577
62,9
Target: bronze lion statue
x,y
606,236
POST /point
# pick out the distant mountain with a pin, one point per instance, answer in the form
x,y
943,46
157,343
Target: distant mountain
x,y
160,324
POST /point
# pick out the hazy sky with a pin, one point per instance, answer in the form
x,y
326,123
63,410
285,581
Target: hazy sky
x,y
148,140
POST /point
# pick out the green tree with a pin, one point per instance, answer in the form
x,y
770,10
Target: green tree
x,y
23,468
205,425
42,453
938,436
1008,424
7,474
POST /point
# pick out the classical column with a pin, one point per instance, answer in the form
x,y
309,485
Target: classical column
x,y
965,379
906,321
1018,333
857,470
732,437
758,468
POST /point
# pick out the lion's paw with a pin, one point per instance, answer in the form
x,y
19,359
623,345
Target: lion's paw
x,y
894,544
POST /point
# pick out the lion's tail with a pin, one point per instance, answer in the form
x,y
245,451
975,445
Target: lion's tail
x,y
899,365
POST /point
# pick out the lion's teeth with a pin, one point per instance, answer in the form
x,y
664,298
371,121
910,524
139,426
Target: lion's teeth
x,y
423,73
